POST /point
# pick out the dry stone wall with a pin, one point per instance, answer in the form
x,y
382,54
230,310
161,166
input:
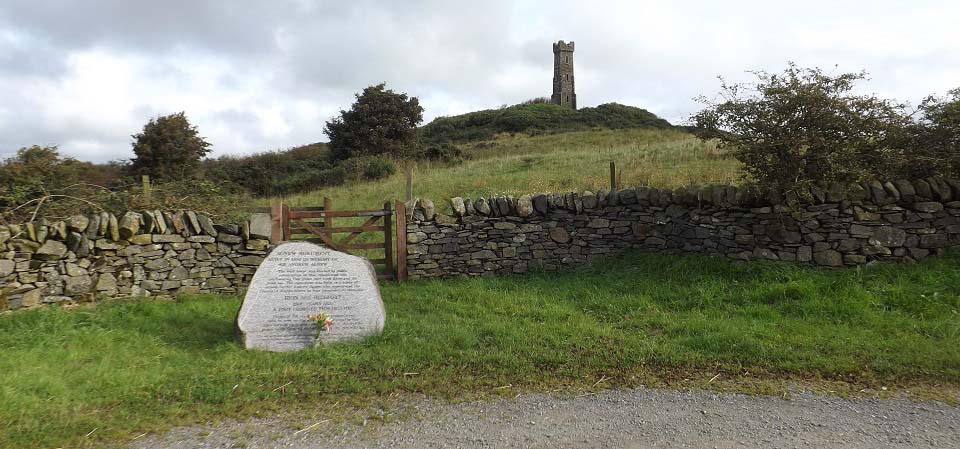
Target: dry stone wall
x,y
830,225
151,253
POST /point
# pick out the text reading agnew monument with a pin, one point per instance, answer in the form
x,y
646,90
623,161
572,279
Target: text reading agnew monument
x,y
299,279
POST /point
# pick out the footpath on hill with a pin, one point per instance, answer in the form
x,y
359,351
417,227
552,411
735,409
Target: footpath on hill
x,y
631,418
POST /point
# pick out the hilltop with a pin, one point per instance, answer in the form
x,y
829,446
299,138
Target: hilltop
x,y
537,116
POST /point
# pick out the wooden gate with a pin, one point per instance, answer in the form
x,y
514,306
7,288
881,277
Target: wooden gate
x,y
316,224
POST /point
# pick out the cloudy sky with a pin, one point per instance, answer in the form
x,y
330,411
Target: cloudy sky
x,y
258,75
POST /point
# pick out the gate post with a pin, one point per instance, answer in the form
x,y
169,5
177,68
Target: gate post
x,y
327,207
286,221
276,222
401,213
388,239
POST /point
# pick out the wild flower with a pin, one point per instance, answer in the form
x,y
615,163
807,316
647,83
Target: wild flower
x,y
322,320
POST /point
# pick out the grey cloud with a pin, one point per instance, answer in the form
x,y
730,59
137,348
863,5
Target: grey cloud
x,y
454,55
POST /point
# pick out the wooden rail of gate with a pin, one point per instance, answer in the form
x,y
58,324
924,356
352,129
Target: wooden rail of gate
x,y
316,224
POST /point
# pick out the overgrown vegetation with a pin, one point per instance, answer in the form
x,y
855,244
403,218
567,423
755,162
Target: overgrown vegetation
x,y
38,172
803,126
300,169
935,135
39,183
537,117
83,377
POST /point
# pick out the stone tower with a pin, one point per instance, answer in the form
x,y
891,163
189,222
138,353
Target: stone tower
x,y
563,91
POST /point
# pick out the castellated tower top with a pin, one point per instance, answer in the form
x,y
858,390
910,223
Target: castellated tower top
x,y
564,93
563,46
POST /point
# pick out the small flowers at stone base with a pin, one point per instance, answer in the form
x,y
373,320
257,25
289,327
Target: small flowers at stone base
x,y
322,320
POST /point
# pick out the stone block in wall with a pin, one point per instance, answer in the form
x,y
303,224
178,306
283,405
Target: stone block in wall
x,y
206,225
482,207
458,207
229,239
167,238
248,260
829,258
541,204
927,207
201,239
51,250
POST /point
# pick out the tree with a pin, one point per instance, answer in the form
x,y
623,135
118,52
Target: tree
x,y
168,148
935,145
805,125
379,122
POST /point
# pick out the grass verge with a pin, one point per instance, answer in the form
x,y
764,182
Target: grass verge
x,y
86,377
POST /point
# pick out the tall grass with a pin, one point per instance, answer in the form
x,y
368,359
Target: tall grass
x,y
521,164
88,376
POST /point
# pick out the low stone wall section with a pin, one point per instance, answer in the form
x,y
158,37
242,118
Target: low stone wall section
x,y
830,225
150,253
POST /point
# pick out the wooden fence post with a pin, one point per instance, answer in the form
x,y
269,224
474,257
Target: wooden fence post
x,y
276,222
401,213
285,220
327,207
388,240
409,173
145,179
613,175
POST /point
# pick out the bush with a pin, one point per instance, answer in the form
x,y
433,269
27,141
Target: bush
x,y
276,172
368,168
38,179
444,152
935,138
805,125
535,116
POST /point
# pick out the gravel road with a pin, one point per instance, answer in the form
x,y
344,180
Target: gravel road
x,y
633,418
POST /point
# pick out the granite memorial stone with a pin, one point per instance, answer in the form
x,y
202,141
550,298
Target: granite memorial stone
x,y
299,279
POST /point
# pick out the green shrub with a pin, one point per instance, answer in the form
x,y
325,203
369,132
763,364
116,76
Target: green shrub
x,y
444,152
935,138
535,116
804,125
276,172
368,168
38,179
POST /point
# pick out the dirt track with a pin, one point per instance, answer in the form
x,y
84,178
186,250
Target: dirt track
x,y
634,418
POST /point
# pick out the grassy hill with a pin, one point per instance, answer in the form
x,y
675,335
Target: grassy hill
x,y
537,117
521,163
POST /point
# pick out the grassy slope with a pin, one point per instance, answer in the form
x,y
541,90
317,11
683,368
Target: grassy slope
x,y
132,367
555,162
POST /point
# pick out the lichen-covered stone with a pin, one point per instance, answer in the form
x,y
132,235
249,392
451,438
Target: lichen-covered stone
x,y
77,285
6,267
456,204
482,207
928,206
888,236
129,225
51,250
829,258
107,284
559,235
206,225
